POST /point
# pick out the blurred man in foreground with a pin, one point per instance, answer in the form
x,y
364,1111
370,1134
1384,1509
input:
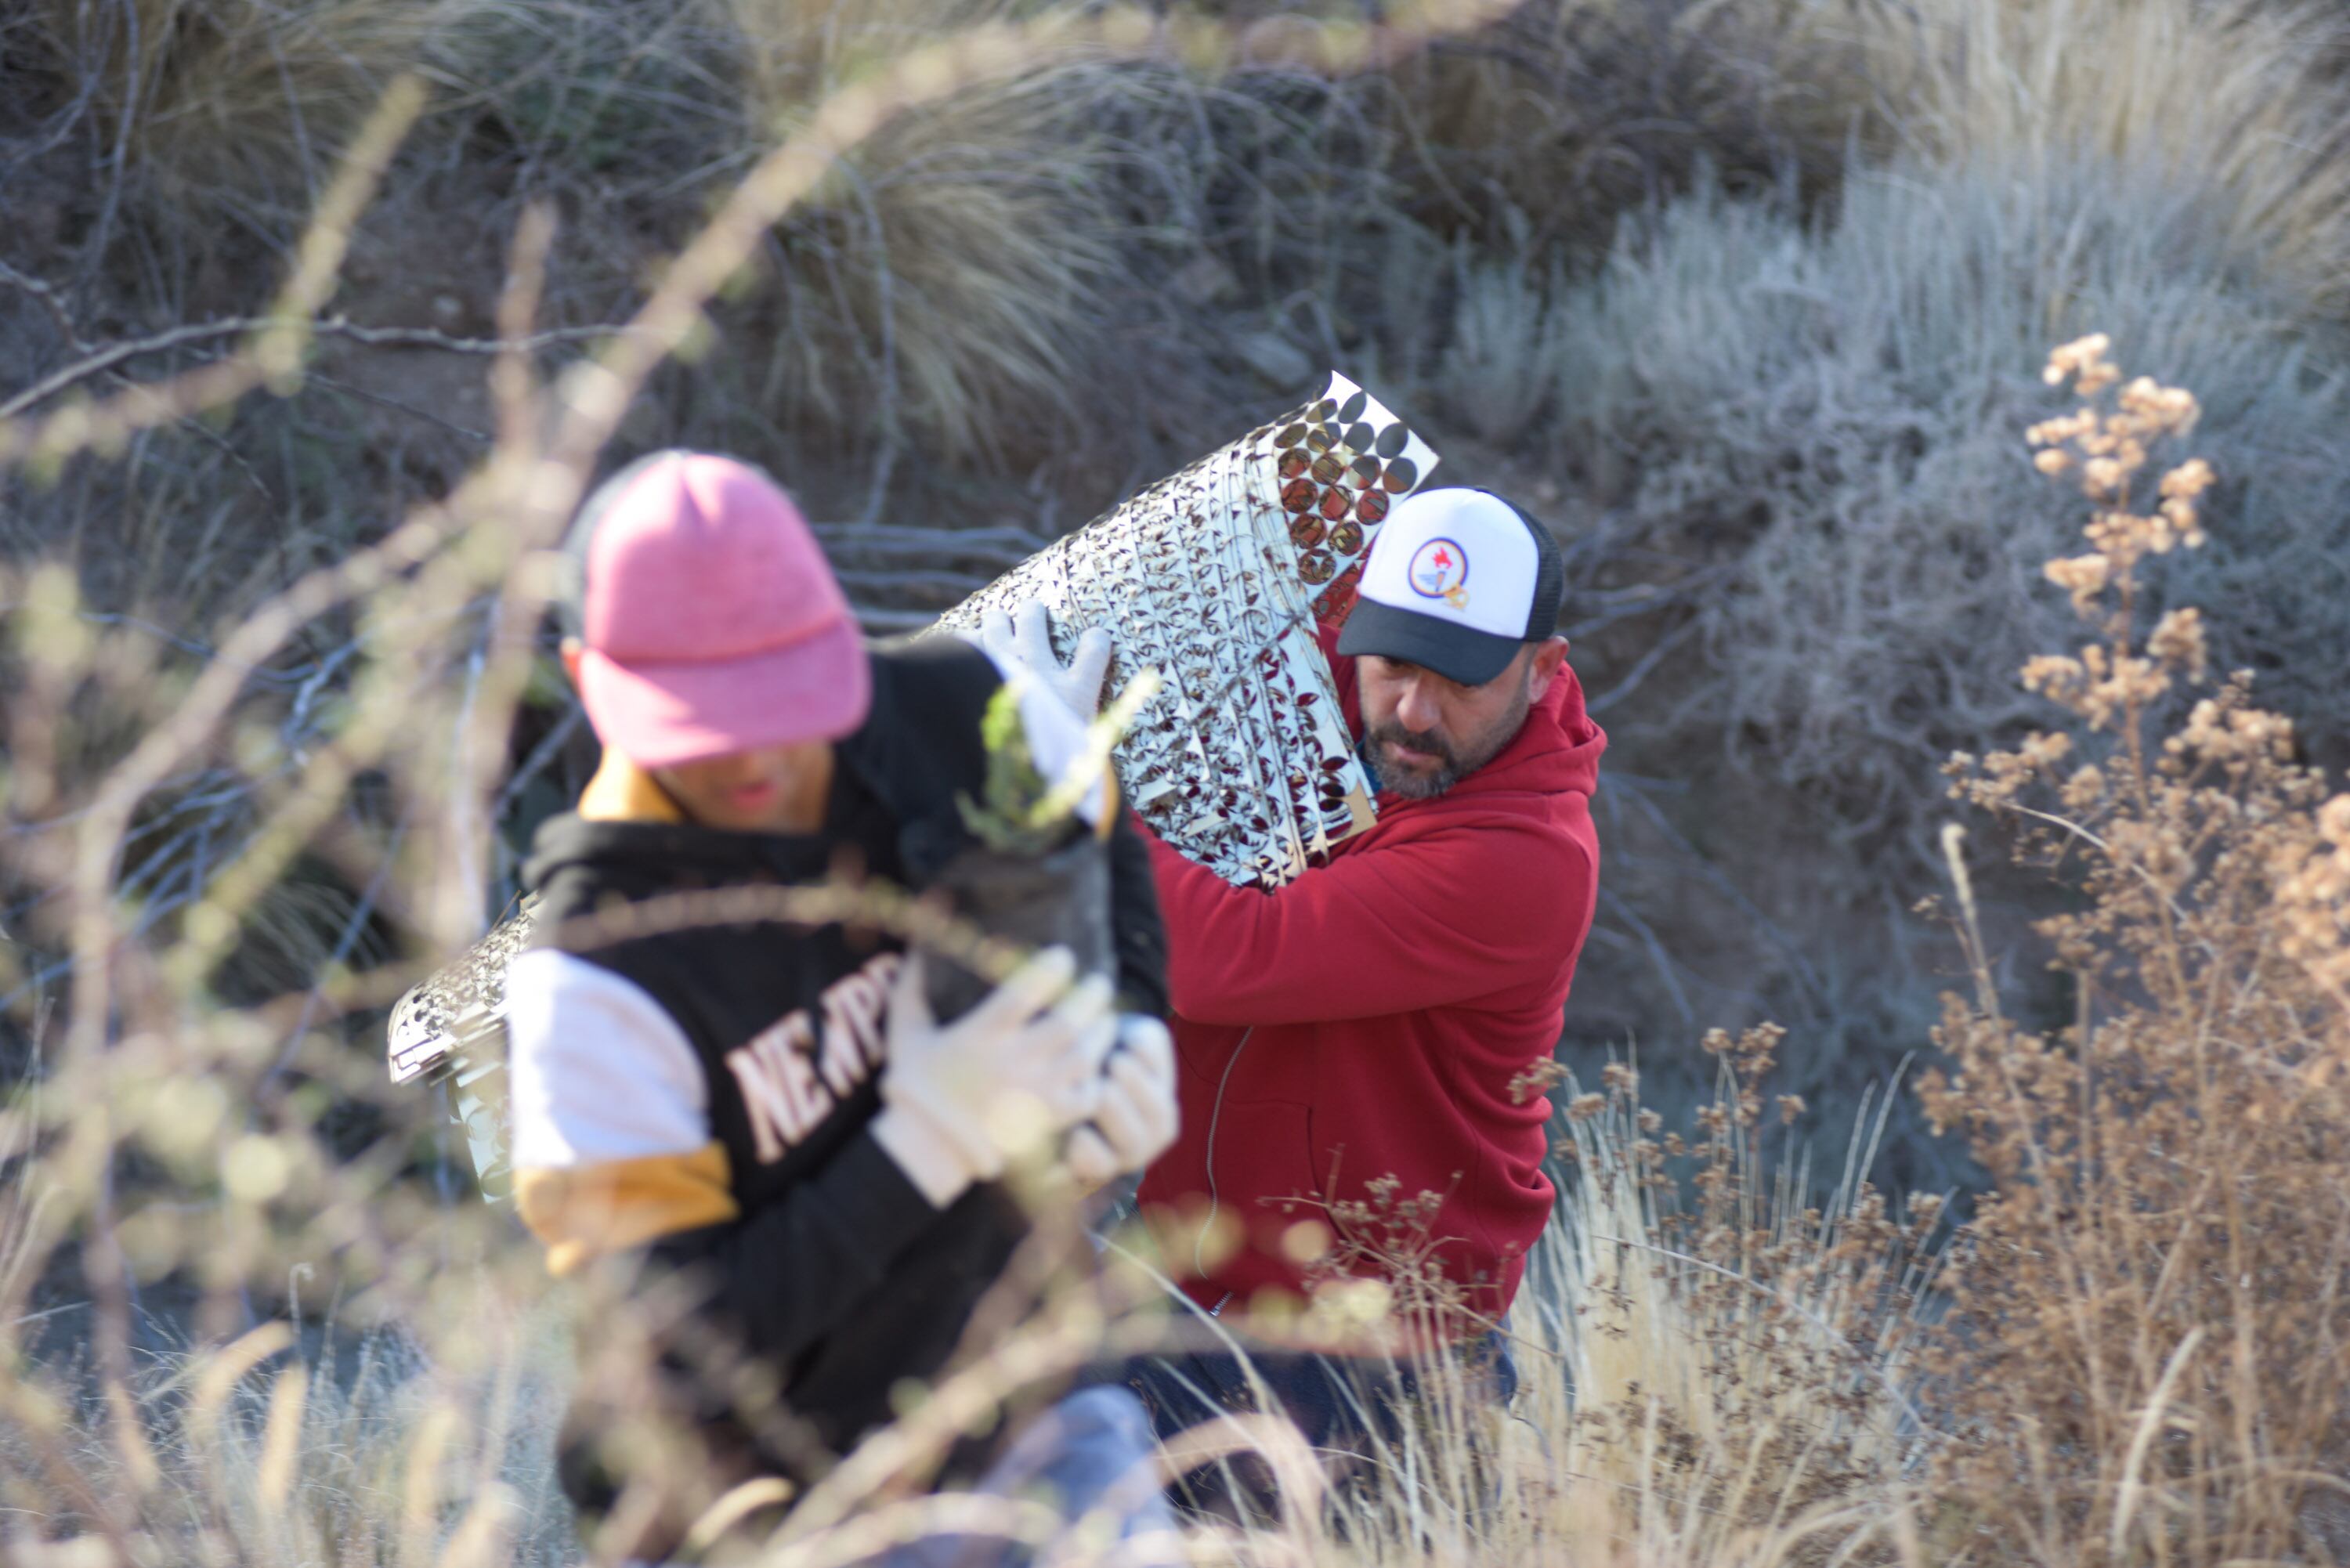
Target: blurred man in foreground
x,y
1373,1027
765,1115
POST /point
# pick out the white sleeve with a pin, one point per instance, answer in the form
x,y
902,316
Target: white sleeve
x,y
599,1070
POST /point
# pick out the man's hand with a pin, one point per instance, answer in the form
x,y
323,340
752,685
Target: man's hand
x,y
963,1100
1028,645
1135,1121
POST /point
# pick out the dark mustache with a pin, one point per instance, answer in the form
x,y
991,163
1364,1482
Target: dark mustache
x,y
1426,741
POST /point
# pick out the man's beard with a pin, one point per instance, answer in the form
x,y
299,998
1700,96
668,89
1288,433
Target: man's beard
x,y
1453,762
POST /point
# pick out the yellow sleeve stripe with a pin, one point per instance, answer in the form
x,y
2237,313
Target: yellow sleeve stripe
x,y
1110,806
587,1211
623,792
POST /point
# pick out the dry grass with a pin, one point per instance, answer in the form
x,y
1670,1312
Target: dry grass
x,y
944,292
234,110
1711,1383
279,1449
2235,104
1574,111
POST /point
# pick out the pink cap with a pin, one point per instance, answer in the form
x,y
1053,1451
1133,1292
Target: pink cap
x,y
712,621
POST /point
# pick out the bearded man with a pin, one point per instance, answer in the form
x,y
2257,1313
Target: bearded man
x,y
1369,1027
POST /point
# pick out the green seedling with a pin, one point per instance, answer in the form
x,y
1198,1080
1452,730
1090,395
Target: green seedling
x,y
1020,813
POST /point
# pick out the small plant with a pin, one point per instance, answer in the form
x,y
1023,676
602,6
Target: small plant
x,y
1020,813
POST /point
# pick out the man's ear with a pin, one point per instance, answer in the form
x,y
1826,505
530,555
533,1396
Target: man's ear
x,y
570,651
1549,658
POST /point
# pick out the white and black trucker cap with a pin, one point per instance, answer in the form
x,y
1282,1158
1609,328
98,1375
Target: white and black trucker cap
x,y
1459,580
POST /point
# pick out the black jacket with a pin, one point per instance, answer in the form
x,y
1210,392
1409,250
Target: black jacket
x,y
809,1249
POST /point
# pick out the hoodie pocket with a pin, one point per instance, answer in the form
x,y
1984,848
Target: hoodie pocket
x,y
1258,1163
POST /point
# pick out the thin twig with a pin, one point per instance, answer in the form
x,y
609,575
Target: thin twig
x,y
1954,837
1657,954
50,301
114,354
1655,655
541,755
274,358
395,405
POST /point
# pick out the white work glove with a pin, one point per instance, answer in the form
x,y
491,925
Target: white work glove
x,y
1028,645
962,1100
1135,1121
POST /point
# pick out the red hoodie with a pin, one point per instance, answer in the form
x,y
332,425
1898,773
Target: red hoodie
x,y
1368,1018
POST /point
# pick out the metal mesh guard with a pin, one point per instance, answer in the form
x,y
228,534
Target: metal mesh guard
x,y
1215,577
451,1032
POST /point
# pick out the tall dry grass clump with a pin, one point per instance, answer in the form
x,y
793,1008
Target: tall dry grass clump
x,y
946,290
2237,102
1571,112
2148,1341
1741,1354
239,108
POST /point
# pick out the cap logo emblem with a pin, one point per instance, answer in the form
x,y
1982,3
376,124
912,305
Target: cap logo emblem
x,y
1440,570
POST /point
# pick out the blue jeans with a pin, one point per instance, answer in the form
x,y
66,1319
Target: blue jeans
x,y
1094,1448
1335,1401
1343,1406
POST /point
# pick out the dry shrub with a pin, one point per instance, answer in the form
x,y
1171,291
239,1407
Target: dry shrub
x,y
1824,408
987,274
2137,1349
1463,185
1803,549
1831,393
1500,371
2148,1343
1805,552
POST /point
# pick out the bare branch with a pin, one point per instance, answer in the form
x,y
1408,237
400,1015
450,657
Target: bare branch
x,y
114,354
275,357
49,300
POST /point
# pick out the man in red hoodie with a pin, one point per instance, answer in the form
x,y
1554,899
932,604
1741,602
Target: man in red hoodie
x,y
1370,1027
